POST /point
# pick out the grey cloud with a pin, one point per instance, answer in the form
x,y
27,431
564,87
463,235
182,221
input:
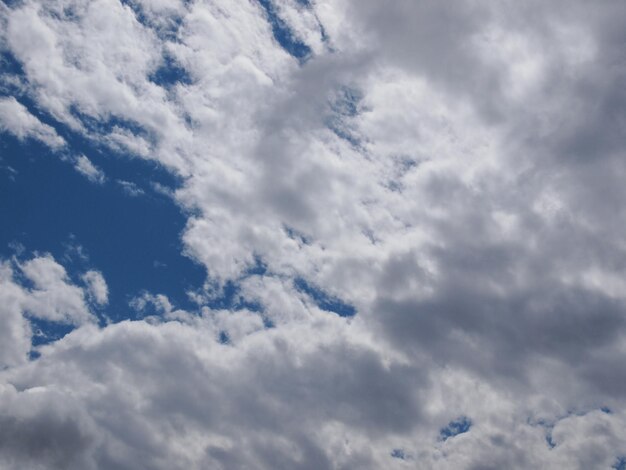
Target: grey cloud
x,y
42,429
494,304
147,400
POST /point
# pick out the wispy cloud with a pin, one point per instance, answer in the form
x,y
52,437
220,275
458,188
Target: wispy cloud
x,y
130,188
84,166
17,120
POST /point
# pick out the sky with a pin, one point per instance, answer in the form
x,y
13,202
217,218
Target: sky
x,y
312,234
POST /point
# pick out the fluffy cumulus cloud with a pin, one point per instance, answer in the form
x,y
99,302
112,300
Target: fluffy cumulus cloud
x,y
39,289
419,205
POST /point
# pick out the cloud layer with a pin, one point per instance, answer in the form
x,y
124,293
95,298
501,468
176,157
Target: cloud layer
x,y
454,175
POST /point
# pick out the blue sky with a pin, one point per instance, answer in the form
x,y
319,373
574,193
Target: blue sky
x,y
127,226
134,240
311,234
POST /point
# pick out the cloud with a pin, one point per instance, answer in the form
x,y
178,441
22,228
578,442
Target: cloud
x,y
85,167
259,388
53,297
17,120
452,175
130,188
38,288
97,286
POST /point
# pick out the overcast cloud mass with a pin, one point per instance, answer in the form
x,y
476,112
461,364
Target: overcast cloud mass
x,y
409,217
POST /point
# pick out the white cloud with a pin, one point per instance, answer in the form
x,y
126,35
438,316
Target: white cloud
x,y
160,302
97,286
131,188
16,119
51,297
85,167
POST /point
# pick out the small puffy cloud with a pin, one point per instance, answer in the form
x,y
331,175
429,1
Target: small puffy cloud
x,y
54,297
97,286
37,288
159,302
17,120
84,166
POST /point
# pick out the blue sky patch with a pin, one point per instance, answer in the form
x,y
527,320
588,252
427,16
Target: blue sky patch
x,y
324,300
45,331
134,241
230,298
224,338
283,34
166,28
344,105
297,236
620,463
454,428
121,227
170,73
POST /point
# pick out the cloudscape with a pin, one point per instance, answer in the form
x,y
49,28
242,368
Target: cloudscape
x,y
312,234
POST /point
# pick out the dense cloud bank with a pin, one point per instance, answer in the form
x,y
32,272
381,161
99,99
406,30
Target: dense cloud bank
x,y
420,203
